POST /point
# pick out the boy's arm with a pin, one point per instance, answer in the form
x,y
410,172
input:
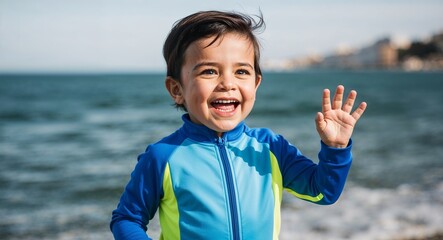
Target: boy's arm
x,y
126,229
320,183
139,201
323,183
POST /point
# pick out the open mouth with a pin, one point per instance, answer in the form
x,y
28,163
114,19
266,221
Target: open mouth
x,y
225,105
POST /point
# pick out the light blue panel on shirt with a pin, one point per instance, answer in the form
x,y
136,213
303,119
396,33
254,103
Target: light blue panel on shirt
x,y
199,186
251,163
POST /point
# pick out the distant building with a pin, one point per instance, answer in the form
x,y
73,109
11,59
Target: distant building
x,y
424,55
387,55
438,40
382,54
412,64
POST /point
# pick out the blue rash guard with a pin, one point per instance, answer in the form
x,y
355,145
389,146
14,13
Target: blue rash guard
x,y
229,187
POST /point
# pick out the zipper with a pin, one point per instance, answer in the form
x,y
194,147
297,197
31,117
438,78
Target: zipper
x,y
230,185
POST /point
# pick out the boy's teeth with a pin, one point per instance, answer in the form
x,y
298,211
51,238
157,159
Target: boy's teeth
x,y
225,105
225,101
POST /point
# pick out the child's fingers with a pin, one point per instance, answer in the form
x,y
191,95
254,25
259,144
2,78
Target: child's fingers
x,y
359,111
326,102
347,107
338,97
319,120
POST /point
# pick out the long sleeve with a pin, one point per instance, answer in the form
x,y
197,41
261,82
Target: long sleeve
x,y
139,201
320,183
125,229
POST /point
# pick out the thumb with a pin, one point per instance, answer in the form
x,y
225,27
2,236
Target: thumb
x,y
320,121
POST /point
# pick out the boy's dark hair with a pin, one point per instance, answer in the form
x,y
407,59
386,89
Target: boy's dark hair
x,y
203,25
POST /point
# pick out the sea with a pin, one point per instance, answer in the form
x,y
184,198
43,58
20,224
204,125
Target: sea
x,y
68,143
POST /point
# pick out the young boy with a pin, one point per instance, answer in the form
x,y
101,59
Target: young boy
x,y
215,178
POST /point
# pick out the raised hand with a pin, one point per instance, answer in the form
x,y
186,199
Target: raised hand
x,y
335,123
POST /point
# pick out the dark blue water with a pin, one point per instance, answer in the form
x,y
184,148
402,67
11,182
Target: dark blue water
x,y
69,143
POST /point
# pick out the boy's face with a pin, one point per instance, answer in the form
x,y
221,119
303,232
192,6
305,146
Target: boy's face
x,y
219,83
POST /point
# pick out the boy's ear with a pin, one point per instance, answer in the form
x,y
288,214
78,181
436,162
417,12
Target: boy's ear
x,y
257,81
175,90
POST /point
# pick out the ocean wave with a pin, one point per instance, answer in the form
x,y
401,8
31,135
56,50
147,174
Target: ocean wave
x,y
361,213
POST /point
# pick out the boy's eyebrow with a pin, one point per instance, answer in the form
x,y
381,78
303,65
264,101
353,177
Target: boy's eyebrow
x,y
245,65
214,64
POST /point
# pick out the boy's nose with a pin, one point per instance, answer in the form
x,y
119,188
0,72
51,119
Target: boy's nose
x,y
227,83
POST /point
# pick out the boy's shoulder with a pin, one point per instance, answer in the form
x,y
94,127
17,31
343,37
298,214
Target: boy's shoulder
x,y
163,147
174,139
263,134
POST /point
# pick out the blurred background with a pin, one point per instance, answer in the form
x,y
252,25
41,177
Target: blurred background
x,y
82,94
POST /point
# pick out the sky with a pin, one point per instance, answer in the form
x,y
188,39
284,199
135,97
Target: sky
x,y
128,35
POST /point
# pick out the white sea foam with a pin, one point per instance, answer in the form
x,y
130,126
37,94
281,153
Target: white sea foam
x,y
363,213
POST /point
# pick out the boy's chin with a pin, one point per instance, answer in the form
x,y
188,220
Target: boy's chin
x,y
225,126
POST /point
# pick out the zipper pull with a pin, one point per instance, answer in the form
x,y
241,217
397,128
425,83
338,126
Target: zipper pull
x,y
220,141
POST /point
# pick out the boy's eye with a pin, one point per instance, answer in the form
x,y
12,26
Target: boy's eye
x,y
209,72
243,72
